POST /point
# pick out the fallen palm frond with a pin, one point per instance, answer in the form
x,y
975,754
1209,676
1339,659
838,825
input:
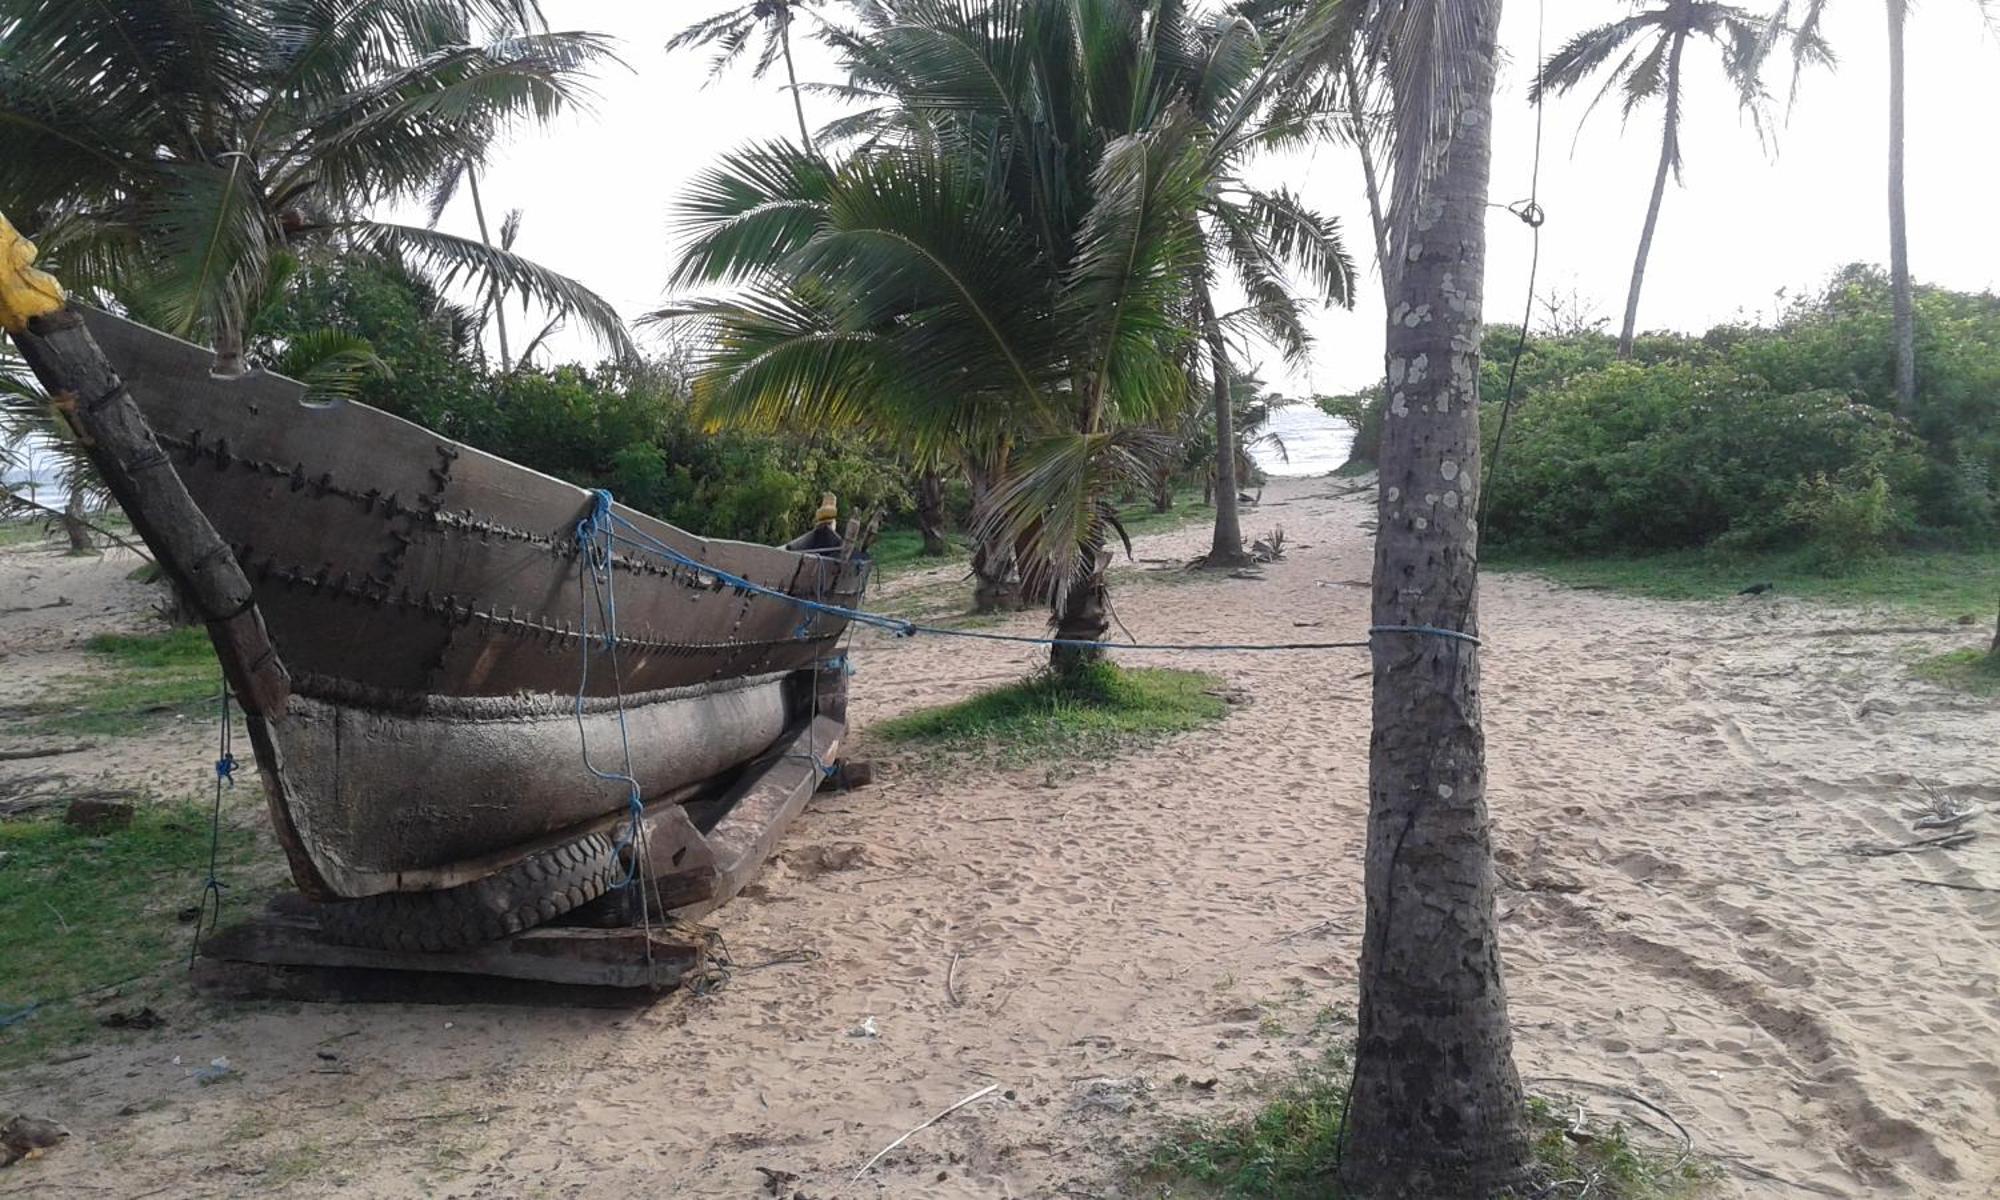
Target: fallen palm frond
x,y
1946,841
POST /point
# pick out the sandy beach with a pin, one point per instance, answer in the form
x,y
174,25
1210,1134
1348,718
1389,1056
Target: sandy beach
x,y
1677,791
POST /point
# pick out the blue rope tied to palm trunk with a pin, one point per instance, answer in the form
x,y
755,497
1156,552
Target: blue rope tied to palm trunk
x,y
609,529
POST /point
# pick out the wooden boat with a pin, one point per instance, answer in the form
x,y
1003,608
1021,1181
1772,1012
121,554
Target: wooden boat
x,y
421,650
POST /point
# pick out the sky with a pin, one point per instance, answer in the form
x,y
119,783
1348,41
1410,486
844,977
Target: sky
x,y
596,188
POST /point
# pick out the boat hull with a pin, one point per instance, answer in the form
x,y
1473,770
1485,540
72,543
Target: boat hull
x,y
441,632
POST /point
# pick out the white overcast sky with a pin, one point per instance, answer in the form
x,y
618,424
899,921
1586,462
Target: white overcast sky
x,y
596,187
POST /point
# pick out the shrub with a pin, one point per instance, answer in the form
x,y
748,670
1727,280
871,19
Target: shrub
x,y
1672,455
1847,522
1363,411
1841,338
625,427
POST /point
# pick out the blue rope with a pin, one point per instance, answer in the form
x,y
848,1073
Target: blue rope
x,y
638,539
594,581
1428,630
225,772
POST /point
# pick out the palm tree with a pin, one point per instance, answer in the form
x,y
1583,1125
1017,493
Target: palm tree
x,y
1436,1108
174,156
495,303
1654,41
731,33
1901,290
1260,236
1001,274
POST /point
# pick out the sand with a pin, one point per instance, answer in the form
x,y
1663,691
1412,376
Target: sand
x,y
1676,790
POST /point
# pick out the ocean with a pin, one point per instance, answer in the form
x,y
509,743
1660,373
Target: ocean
x,y
1315,443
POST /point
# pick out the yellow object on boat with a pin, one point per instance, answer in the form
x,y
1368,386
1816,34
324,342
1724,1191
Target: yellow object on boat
x,y
24,291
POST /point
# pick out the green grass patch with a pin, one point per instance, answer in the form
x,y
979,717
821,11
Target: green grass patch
x,y
898,550
1285,1150
1289,1149
1045,719
142,680
1975,670
23,533
1139,517
80,913
1941,583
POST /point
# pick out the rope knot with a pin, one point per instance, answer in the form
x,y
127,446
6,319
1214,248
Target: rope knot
x,y
597,520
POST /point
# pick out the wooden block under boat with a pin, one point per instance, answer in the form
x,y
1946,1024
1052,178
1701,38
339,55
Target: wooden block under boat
x,y
287,936
755,815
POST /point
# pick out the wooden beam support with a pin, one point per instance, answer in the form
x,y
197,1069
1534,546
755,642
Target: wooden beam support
x,y
106,420
764,805
618,958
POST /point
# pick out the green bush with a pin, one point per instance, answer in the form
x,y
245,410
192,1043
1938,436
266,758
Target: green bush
x,y
625,427
1847,522
1635,457
1841,339
1748,436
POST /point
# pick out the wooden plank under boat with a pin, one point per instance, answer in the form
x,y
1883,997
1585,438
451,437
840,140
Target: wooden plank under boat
x,y
406,623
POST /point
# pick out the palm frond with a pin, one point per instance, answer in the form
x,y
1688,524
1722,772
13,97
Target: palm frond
x,y
400,133
211,245
548,330
1309,241
780,361
331,363
1054,507
911,235
451,259
1648,76
749,212
1136,247
1273,311
444,189
1581,56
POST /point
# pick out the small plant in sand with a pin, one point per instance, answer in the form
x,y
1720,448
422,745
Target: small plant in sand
x,y
1289,1149
1087,715
1974,670
1269,548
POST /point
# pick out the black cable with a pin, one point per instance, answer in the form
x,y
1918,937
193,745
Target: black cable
x,y
1532,214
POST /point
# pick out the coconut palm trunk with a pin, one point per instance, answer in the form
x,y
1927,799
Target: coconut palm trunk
x,y
1670,154
930,513
74,525
994,584
1083,614
1357,119
231,357
1899,235
1436,1109
1226,547
792,75
494,296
